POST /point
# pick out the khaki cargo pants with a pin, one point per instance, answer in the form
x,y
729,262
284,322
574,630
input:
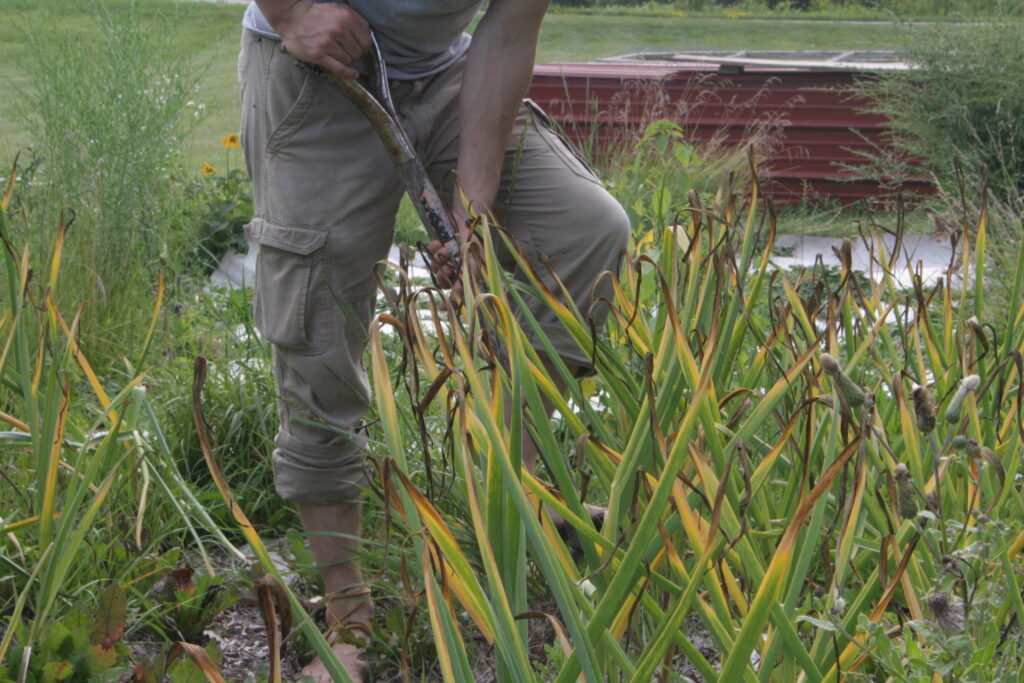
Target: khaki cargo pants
x,y
325,199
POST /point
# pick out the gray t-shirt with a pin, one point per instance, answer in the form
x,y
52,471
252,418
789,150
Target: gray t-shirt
x,y
417,37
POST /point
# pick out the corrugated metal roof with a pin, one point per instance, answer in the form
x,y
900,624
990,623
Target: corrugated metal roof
x,y
607,70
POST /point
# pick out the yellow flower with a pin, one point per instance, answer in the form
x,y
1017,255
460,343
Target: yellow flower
x,y
207,169
230,142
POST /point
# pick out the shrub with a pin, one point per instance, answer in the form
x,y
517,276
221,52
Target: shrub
x,y
963,101
960,113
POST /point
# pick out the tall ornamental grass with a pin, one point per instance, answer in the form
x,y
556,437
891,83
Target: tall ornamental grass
x,y
109,107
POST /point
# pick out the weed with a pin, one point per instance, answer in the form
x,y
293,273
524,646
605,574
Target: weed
x,y
82,645
191,602
217,323
96,491
648,151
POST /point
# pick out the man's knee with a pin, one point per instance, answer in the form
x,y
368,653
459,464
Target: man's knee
x,y
615,227
606,233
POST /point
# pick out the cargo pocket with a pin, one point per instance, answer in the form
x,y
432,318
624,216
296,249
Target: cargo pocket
x,y
291,305
561,146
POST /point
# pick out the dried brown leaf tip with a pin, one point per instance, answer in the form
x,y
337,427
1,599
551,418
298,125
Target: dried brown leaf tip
x,y
924,408
948,615
182,578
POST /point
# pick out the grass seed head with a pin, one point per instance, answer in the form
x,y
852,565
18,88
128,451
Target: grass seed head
x,y
976,327
853,394
906,492
924,409
830,365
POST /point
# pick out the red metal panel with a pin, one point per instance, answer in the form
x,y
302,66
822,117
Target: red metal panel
x,y
822,130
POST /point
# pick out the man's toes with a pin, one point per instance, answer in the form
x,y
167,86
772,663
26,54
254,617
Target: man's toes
x,y
352,660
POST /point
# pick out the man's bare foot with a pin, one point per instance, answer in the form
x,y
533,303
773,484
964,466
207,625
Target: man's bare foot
x,y
334,539
350,656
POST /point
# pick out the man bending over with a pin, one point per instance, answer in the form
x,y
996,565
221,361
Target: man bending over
x,y
325,199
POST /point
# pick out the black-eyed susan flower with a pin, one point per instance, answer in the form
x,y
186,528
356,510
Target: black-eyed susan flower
x,y
230,142
207,169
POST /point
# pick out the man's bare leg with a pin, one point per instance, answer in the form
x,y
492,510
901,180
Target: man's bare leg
x,y
530,452
334,533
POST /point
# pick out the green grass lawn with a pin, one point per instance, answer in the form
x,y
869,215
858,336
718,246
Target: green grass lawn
x,y
584,37
210,32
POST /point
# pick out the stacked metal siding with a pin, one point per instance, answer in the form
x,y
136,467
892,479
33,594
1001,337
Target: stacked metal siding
x,y
821,127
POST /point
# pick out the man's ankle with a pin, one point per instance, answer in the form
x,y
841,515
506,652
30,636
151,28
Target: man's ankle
x,y
350,608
